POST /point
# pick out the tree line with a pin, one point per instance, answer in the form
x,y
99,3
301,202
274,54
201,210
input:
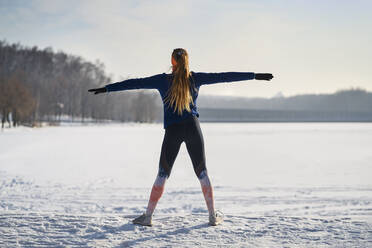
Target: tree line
x,y
41,85
347,100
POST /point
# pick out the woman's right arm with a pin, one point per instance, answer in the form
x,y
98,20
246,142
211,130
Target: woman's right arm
x,y
212,78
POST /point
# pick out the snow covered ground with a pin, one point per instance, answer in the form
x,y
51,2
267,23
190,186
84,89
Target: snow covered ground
x,y
279,185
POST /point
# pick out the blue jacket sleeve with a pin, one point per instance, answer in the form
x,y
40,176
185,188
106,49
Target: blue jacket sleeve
x,y
152,82
202,78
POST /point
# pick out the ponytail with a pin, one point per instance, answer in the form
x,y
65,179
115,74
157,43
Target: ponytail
x,y
179,95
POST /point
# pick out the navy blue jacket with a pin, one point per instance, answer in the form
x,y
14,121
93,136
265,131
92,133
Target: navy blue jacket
x,y
162,83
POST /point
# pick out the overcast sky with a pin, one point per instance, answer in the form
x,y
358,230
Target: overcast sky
x,y
317,46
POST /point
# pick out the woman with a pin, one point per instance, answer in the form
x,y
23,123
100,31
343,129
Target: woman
x,y
179,91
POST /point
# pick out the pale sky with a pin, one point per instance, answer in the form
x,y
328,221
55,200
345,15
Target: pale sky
x,y
317,46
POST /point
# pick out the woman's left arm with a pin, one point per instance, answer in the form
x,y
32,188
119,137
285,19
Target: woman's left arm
x,y
152,82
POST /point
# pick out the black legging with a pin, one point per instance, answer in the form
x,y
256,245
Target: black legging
x,y
187,131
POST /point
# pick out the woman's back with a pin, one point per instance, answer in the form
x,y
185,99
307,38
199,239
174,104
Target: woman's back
x,y
162,82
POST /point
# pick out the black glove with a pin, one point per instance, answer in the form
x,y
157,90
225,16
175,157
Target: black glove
x,y
98,90
263,76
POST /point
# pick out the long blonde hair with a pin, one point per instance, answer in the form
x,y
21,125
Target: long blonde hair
x,y
179,95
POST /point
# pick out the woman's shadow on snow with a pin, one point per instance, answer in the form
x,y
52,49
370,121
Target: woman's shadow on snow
x,y
131,227
107,229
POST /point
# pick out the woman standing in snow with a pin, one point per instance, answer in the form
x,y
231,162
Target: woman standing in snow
x,y
179,91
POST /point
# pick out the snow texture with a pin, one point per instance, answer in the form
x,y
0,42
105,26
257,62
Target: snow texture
x,y
279,185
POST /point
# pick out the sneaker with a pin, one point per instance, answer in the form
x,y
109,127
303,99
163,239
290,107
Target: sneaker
x,y
144,220
216,219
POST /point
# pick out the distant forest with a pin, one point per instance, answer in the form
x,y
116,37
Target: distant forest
x,y
46,86
41,85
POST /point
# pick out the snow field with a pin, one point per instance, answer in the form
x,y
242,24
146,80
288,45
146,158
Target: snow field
x,y
279,185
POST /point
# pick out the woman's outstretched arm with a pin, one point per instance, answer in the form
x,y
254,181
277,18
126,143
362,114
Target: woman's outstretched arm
x,y
152,82
211,78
